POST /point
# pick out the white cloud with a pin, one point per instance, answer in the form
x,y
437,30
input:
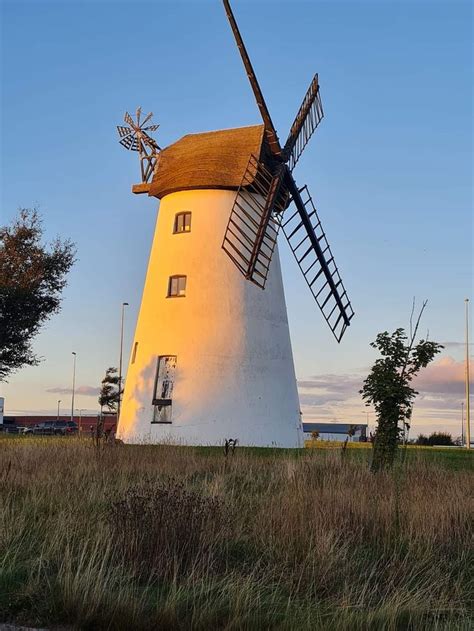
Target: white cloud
x,y
87,391
329,397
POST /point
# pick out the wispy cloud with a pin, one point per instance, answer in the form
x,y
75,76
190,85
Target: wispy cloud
x,y
456,344
87,391
329,397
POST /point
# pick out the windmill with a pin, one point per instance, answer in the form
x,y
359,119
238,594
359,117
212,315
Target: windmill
x,y
211,357
259,209
135,137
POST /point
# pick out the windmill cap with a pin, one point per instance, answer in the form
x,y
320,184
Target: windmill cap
x,y
208,160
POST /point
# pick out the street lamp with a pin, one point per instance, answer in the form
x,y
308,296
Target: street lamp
x,y
73,383
119,401
468,406
366,412
57,416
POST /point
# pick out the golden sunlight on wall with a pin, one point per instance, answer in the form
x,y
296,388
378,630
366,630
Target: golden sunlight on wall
x,y
234,370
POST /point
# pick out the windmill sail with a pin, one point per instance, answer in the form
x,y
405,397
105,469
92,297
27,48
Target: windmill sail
x,y
308,118
308,242
270,131
255,220
262,198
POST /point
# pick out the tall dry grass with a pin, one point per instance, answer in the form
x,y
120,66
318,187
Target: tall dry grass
x,y
161,537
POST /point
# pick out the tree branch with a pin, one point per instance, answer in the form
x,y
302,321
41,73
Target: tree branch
x,y
413,337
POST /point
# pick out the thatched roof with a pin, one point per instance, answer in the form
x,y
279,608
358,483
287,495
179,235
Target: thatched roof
x,y
215,159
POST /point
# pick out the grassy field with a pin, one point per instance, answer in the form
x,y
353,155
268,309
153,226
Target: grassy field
x,y
161,537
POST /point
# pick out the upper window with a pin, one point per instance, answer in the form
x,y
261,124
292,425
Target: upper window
x,y
177,286
182,222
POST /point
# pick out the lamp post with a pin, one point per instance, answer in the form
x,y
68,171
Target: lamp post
x,y
73,383
119,401
366,412
57,415
468,407
462,423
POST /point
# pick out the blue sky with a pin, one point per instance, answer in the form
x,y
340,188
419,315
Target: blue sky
x,y
390,167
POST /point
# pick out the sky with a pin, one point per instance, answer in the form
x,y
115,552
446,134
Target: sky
x,y
390,169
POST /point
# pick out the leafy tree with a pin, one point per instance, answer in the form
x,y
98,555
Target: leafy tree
x,y
440,438
388,388
109,390
32,277
423,440
108,397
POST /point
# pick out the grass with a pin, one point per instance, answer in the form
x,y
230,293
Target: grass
x,y
162,537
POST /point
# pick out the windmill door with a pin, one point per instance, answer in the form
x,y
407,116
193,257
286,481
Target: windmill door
x,y
163,392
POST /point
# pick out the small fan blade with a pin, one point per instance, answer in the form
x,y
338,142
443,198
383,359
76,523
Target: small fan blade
x,y
307,240
129,142
150,128
124,131
147,118
139,111
129,120
308,118
151,142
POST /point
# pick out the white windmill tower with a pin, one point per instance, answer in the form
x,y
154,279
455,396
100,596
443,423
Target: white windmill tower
x,y
211,357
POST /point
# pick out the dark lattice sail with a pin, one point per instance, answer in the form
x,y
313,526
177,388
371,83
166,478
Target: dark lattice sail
x,y
260,208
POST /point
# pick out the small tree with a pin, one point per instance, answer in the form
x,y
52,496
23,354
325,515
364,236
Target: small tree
x,y
108,397
423,440
388,388
109,390
440,438
32,277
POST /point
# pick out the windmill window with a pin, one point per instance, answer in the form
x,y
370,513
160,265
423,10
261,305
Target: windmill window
x,y
177,287
134,353
163,390
182,222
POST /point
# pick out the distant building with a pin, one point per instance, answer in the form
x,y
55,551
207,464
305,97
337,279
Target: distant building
x,y
84,422
336,431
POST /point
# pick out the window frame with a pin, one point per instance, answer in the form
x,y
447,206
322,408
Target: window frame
x,y
170,282
184,214
159,403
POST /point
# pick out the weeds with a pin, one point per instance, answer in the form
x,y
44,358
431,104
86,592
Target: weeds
x,y
166,531
147,537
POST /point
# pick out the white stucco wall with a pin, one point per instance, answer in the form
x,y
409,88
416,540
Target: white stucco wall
x,y
235,376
